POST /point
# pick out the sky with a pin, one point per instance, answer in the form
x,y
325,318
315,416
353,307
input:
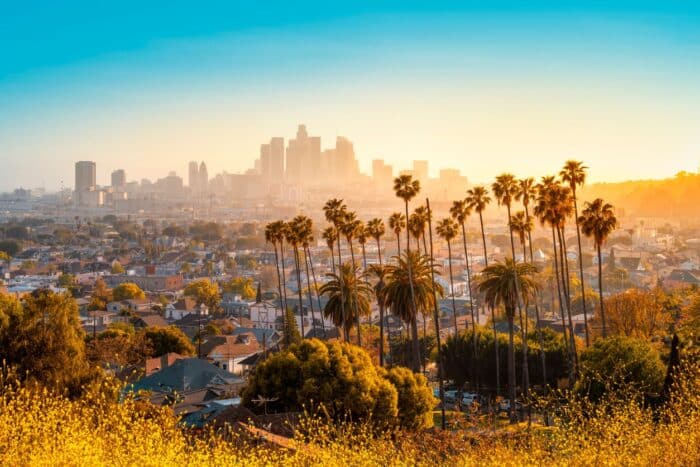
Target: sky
x,y
485,87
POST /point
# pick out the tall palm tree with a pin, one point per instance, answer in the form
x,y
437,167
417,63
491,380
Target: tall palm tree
x,y
397,222
406,188
283,229
379,274
273,235
294,236
376,230
318,296
334,211
574,173
598,221
521,226
460,212
409,290
477,200
416,228
346,291
306,237
504,284
421,223
447,230
350,229
527,192
362,236
330,235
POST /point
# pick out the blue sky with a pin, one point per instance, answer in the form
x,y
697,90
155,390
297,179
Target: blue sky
x,y
481,86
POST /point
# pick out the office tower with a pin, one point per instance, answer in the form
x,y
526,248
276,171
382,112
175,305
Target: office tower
x,y
119,179
303,157
203,177
347,166
382,174
420,169
85,176
262,165
193,180
277,158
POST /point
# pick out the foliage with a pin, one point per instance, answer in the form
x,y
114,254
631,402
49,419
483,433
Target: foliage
x,y
204,292
101,295
242,286
349,294
208,231
401,349
166,340
620,360
42,339
636,313
290,329
127,291
117,268
341,378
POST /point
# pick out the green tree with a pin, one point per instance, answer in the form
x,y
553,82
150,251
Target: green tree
x,y
204,291
617,361
101,295
10,247
341,378
242,286
166,340
127,291
117,268
348,293
291,330
42,339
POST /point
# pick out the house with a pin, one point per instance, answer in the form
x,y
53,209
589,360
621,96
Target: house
x,y
190,324
228,351
133,304
183,307
153,365
265,336
187,374
682,278
149,320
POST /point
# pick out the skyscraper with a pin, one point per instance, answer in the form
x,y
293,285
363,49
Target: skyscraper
x,y
303,157
193,179
203,177
85,176
420,169
277,159
119,179
264,161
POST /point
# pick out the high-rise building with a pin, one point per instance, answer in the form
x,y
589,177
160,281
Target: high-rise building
x,y
193,180
347,166
203,177
382,173
85,176
420,169
277,158
303,157
263,163
119,179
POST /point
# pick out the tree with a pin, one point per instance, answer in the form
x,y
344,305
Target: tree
x,y
447,230
205,292
290,329
350,228
334,211
167,340
294,235
379,273
410,283
330,235
347,294
397,222
503,284
127,291
598,221
376,229
274,235
43,340
619,361
117,268
342,379
637,313
242,286
574,173
10,247
406,188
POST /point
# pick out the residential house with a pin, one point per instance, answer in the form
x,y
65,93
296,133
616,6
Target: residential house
x,y
228,351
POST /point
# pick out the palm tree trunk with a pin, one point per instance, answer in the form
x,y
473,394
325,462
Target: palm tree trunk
x,y
318,298
398,244
379,251
284,287
511,365
567,285
279,278
471,304
526,366
357,313
364,258
580,267
540,340
559,295
332,259
452,285
600,291
416,347
519,296
308,290
301,305
493,313
342,295
381,313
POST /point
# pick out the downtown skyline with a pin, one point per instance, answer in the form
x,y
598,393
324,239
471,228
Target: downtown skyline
x,y
477,87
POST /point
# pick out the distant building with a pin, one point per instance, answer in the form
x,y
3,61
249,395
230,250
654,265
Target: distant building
x,y
303,156
149,283
119,179
193,180
85,176
420,170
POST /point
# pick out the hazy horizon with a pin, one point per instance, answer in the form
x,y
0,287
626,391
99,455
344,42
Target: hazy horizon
x,y
481,87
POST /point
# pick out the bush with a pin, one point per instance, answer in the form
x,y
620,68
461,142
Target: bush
x,y
620,361
340,379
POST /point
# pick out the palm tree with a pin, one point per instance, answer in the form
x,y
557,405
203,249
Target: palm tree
x,y
379,273
406,188
306,236
421,223
503,284
282,235
350,229
409,288
522,225
574,173
330,235
447,230
376,230
477,200
273,235
362,236
346,290
397,222
460,212
318,297
416,228
598,221
334,211
294,237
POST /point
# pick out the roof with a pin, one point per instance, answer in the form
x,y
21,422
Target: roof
x,y
241,345
680,275
270,335
185,375
152,320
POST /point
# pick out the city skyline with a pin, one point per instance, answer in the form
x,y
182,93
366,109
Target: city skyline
x,y
479,87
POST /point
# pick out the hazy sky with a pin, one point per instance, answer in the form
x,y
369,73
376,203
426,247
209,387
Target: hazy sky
x,y
485,87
